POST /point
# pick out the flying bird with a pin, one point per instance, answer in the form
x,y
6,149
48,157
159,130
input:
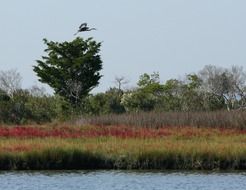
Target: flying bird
x,y
84,28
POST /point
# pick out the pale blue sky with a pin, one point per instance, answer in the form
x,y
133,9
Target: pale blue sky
x,y
173,37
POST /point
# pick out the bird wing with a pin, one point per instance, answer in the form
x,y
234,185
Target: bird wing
x,y
83,25
89,29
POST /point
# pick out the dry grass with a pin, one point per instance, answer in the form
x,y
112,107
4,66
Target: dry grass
x,y
220,119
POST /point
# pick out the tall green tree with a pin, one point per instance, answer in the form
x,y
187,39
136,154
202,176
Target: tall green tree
x,y
72,69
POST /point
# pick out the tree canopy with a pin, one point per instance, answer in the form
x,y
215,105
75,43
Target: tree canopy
x,y
71,68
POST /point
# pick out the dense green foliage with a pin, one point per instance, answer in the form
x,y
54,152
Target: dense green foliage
x,y
24,107
104,103
71,68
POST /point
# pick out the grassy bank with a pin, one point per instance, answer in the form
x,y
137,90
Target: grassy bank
x,y
121,147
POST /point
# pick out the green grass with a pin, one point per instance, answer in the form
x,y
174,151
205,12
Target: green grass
x,y
59,159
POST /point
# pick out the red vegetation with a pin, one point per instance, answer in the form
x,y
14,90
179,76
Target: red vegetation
x,y
69,132
36,132
127,132
114,131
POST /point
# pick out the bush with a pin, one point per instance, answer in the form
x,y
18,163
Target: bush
x,y
104,103
23,108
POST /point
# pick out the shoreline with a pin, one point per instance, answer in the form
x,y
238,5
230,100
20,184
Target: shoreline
x,y
78,160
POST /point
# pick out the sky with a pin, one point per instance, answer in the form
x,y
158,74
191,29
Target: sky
x,y
172,37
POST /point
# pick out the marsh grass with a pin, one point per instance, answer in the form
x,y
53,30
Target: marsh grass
x,y
219,119
182,148
59,159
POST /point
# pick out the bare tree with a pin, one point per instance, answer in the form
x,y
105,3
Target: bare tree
x,y
238,81
120,81
10,81
226,83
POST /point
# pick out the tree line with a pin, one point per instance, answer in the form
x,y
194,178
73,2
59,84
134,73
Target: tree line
x,y
72,70
211,89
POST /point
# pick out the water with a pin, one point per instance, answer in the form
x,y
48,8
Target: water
x,y
120,180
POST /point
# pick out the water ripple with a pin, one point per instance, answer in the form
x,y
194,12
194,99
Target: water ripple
x,y
121,180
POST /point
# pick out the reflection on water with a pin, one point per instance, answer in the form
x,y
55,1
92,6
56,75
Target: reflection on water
x,y
121,180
